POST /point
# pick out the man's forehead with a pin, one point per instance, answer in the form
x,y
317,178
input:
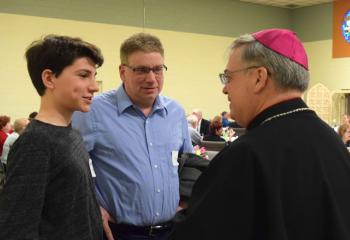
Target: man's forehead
x,y
235,58
145,58
142,54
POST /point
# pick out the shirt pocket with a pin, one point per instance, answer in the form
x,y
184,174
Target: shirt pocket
x,y
172,159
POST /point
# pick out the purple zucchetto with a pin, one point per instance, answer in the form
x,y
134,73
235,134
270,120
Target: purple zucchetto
x,y
283,42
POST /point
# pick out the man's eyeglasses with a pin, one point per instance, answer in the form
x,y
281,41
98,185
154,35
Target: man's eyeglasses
x,y
158,70
225,77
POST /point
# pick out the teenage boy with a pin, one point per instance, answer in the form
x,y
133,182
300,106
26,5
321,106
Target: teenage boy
x,y
49,193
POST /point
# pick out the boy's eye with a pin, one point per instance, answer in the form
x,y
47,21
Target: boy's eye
x,y
83,75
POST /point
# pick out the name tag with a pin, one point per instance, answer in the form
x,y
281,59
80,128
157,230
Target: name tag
x,y
174,156
92,168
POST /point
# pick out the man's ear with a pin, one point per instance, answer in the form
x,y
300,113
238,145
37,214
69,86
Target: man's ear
x,y
262,79
48,77
122,72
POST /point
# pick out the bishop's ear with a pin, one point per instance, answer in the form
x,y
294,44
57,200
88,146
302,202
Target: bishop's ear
x,y
48,77
261,79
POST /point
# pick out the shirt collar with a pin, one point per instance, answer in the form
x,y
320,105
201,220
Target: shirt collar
x,y
281,107
124,102
159,107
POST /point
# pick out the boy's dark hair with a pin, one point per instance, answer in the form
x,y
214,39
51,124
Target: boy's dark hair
x,y
32,115
56,53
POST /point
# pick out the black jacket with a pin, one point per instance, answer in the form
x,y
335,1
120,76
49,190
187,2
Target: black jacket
x,y
287,178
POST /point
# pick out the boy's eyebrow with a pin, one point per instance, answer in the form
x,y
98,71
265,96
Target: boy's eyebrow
x,y
86,70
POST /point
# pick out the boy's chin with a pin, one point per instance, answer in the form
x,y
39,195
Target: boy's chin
x,y
84,109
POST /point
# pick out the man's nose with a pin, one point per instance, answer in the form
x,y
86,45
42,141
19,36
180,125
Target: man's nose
x,y
224,90
151,76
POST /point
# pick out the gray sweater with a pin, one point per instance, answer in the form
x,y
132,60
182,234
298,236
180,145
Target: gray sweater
x,y
49,192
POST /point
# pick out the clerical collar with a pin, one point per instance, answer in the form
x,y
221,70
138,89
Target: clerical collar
x,y
285,114
279,110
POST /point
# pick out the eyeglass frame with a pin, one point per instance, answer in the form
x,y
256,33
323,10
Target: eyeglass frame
x,y
225,78
146,70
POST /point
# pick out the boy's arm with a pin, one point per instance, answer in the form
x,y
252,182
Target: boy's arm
x,y
23,195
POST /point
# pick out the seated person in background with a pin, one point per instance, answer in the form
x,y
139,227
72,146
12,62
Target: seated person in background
x,y
192,121
234,124
203,124
224,119
19,126
5,130
344,120
344,133
215,130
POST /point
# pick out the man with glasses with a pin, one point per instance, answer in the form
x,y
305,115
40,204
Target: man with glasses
x,y
134,137
288,177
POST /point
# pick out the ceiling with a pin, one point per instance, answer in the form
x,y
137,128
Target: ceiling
x,y
288,3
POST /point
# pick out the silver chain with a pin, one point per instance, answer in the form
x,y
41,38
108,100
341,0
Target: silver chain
x,y
285,113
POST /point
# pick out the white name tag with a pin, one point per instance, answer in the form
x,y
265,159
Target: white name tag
x,y
92,168
174,156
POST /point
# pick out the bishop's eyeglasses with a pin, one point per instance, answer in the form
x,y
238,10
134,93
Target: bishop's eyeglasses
x,y
225,77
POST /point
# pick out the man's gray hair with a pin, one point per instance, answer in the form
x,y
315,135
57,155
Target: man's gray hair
x,y
192,119
140,42
286,73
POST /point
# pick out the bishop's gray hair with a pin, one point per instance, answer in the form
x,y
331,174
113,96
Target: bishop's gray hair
x,y
286,73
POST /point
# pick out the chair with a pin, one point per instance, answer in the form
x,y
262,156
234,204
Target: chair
x,y
239,131
211,154
213,146
190,168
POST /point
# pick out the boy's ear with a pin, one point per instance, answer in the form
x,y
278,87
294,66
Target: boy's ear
x,y
47,77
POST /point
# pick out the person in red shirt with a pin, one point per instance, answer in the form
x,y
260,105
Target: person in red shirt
x,y
5,130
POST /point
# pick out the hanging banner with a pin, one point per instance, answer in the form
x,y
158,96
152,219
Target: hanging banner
x,y
341,28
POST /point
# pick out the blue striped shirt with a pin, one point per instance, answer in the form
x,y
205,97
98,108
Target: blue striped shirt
x,y
136,178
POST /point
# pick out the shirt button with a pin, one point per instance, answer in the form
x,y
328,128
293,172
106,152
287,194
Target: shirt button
x,y
156,166
158,190
157,214
151,144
